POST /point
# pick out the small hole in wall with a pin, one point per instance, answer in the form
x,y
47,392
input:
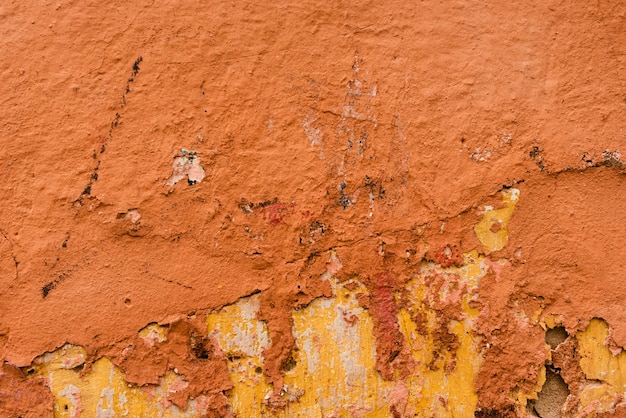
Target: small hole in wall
x,y
127,302
259,370
289,364
555,336
552,397
493,413
203,354
65,407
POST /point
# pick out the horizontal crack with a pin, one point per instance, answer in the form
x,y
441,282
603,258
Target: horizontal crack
x,y
173,282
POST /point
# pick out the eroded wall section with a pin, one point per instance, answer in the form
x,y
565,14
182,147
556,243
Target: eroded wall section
x,y
366,209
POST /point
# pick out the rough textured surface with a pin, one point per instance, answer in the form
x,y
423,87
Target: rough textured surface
x,y
22,397
455,168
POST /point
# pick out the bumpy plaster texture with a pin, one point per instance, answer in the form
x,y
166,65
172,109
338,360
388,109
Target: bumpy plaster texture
x,y
361,209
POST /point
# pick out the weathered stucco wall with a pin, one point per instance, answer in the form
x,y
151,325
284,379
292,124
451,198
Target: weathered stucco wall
x,y
314,209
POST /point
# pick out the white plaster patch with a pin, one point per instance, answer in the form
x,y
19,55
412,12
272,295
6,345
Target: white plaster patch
x,y
133,215
315,135
105,408
72,393
248,335
251,336
153,334
186,165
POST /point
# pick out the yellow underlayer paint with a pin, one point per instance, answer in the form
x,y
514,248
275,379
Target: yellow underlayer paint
x,y
492,231
334,374
153,334
443,387
605,371
242,338
102,392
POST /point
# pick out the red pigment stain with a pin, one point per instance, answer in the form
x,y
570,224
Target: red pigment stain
x,y
448,255
383,301
276,212
350,318
392,360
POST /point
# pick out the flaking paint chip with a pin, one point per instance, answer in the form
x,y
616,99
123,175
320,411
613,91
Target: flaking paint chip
x,y
186,165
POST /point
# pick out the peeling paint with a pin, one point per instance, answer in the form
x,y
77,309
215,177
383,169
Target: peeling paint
x,y
492,229
186,165
604,370
391,209
102,392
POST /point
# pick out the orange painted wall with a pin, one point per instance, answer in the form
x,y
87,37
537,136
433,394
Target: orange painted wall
x,y
329,209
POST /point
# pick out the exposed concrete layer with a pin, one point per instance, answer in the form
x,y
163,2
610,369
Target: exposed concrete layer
x,y
365,209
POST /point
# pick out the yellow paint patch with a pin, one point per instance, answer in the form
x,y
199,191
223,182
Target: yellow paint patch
x,y
442,386
102,392
492,231
334,373
153,334
242,338
607,371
